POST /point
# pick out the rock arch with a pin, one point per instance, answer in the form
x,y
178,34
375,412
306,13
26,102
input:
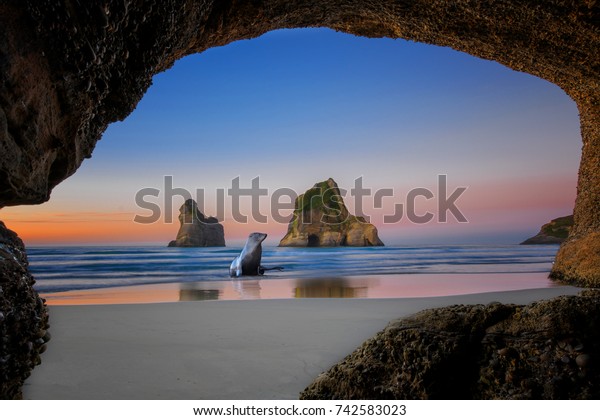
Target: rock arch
x,y
71,67
68,68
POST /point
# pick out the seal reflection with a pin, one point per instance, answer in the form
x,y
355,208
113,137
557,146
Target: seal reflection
x,y
329,287
187,294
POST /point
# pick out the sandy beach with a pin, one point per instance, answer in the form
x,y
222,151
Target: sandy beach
x,y
256,349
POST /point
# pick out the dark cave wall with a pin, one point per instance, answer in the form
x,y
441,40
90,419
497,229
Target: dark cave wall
x,y
23,317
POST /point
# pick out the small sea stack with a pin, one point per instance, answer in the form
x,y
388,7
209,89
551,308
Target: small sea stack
x,y
197,230
321,219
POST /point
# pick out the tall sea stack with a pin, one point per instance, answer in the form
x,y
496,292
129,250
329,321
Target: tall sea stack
x,y
197,230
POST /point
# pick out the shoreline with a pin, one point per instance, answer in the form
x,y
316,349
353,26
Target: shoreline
x,y
253,349
390,286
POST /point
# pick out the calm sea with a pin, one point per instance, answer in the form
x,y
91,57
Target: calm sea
x,y
88,267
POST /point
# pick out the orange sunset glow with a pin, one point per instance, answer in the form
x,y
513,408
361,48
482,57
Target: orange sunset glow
x,y
512,139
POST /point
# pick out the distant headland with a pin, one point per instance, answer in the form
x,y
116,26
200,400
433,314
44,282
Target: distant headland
x,y
553,232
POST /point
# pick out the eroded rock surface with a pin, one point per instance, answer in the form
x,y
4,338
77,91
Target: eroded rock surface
x,y
321,219
197,230
23,317
548,349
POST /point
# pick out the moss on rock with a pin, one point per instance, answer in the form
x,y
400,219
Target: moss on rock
x,y
321,218
553,232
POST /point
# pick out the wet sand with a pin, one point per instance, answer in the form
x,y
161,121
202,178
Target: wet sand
x,y
254,349
270,287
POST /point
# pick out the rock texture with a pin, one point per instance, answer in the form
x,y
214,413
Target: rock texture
x,y
321,219
554,232
196,230
23,317
549,349
70,68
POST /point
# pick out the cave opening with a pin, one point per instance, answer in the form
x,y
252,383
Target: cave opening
x,y
313,241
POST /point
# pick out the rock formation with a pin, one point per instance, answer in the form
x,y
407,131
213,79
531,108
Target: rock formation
x,y
23,317
321,219
554,232
548,349
196,230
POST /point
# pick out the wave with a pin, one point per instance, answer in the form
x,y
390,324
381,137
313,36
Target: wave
x,y
86,267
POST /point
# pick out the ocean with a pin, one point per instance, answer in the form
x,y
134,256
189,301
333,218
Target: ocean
x,y
70,268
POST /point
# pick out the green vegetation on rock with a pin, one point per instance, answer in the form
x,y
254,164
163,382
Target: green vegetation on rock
x,y
320,218
559,227
553,232
320,197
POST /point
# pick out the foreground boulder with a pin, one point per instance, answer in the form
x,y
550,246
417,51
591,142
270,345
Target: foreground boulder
x,y
554,232
548,349
23,317
321,219
197,230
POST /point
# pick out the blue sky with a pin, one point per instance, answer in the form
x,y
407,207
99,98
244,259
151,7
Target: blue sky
x,y
298,106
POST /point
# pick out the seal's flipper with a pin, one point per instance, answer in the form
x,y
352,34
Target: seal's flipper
x,y
261,269
235,269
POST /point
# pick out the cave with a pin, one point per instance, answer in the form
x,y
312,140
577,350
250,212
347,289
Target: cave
x,y
70,68
313,241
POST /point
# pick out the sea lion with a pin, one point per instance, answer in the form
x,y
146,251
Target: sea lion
x,y
248,262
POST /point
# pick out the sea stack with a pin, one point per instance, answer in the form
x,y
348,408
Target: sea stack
x,y
321,219
196,230
553,232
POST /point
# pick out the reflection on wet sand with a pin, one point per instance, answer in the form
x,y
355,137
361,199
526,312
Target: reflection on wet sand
x,y
247,289
332,287
188,292
253,288
227,290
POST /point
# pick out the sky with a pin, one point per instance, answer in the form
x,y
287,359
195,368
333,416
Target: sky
x,y
295,107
